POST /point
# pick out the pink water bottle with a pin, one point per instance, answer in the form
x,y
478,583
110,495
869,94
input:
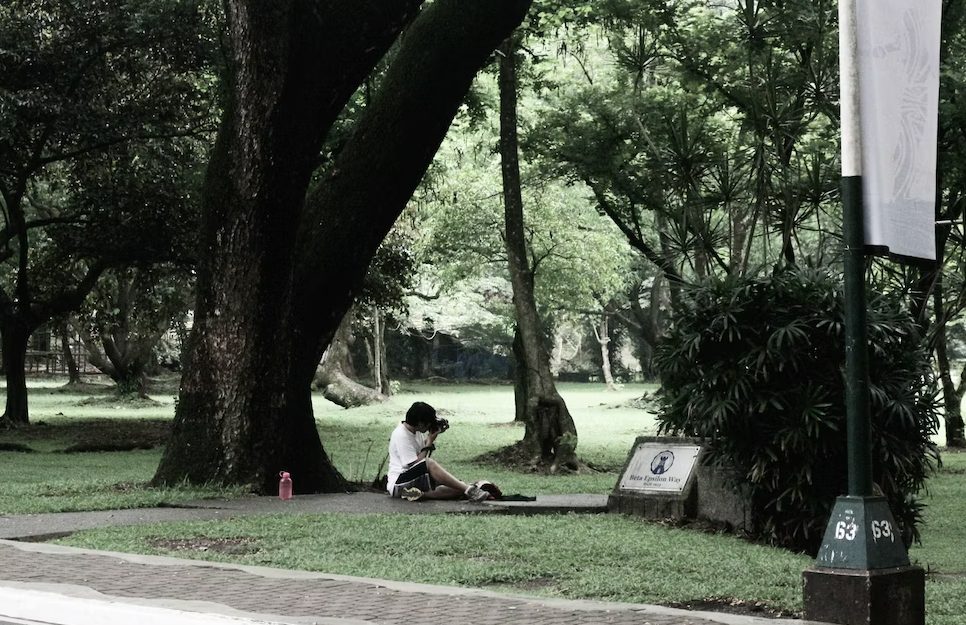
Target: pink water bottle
x,y
285,486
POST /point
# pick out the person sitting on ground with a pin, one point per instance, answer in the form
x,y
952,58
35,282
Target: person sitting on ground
x,y
413,475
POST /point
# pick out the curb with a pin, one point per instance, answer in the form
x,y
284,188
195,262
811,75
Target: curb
x,y
224,612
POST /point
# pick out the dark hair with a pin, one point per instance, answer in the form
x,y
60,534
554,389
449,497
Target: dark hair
x,y
420,413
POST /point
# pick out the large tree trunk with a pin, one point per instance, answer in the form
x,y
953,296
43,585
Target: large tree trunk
x,y
269,299
14,338
124,362
550,436
241,416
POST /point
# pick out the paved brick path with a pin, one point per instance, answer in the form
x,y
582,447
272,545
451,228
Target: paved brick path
x,y
280,595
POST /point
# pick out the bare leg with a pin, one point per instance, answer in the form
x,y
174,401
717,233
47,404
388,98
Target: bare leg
x,y
442,492
444,478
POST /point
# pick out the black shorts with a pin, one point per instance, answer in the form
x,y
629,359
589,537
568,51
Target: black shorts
x,y
416,476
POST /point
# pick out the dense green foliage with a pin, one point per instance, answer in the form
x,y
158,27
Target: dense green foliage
x,y
755,366
101,107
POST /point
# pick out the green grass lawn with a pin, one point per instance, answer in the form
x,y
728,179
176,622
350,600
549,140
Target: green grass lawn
x,y
596,556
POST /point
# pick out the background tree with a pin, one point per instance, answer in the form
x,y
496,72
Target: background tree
x,y
74,83
280,266
551,436
576,258
939,291
712,144
123,321
388,279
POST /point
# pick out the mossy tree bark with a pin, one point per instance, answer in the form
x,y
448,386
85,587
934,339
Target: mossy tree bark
x,y
280,268
550,436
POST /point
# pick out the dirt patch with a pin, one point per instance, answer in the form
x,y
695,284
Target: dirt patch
x,y
730,605
532,584
514,458
511,457
232,546
117,435
536,583
649,402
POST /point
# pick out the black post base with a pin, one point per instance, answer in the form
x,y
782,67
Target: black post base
x,y
894,596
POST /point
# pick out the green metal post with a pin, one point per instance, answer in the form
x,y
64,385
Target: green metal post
x,y
856,352
861,573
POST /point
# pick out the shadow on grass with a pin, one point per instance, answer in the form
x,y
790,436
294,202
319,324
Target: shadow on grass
x,y
120,401
89,435
167,384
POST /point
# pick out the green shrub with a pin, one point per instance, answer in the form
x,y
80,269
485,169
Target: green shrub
x,y
756,367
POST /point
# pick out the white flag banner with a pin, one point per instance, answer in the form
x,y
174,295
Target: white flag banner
x,y
898,67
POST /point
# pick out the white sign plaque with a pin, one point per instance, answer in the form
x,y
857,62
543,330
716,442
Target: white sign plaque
x,y
659,467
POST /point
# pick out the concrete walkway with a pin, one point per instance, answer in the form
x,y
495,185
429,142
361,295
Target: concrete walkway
x,y
36,527
44,583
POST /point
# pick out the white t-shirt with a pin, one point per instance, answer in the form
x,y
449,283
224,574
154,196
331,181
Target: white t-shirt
x,y
404,446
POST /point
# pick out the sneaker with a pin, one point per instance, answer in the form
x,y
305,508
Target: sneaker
x,y
411,494
476,494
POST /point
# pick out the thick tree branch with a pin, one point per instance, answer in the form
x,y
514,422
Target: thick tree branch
x,y
376,173
634,238
71,299
99,146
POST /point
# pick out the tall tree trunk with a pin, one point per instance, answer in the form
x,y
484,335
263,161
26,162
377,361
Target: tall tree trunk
x,y
550,435
73,371
21,313
380,375
602,332
15,337
952,397
520,378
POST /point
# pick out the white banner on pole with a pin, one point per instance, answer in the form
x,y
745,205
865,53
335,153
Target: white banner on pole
x,y
898,67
